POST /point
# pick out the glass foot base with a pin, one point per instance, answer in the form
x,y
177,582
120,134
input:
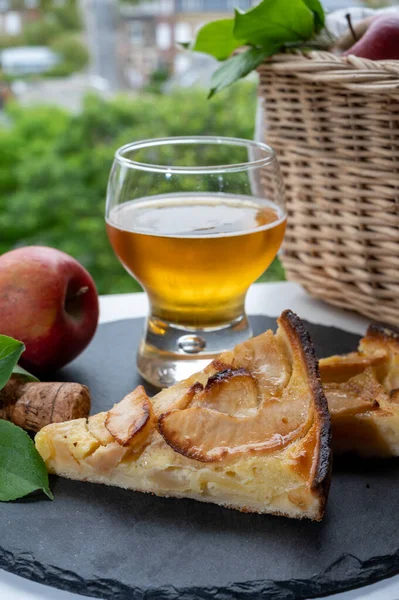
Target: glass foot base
x,y
169,353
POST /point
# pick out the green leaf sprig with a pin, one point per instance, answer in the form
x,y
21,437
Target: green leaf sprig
x,y
22,469
10,352
270,27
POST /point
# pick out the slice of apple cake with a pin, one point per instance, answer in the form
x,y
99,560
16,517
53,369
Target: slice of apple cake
x,y
251,432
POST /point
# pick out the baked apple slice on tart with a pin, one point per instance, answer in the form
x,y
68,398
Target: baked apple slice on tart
x,y
251,432
362,390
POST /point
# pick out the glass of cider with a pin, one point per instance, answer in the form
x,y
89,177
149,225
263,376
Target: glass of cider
x,y
196,220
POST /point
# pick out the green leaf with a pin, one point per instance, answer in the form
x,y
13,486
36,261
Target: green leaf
x,y
217,39
10,352
17,370
22,469
318,12
236,67
274,22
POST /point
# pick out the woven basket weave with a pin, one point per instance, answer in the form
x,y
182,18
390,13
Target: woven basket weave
x,y
334,123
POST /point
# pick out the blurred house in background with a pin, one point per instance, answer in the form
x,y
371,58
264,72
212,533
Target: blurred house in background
x,y
117,44
133,43
15,14
149,34
43,55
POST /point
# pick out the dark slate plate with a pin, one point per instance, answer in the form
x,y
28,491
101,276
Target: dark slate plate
x,y
115,544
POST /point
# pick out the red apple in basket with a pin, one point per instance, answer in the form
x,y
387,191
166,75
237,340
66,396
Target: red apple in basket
x,y
381,40
49,302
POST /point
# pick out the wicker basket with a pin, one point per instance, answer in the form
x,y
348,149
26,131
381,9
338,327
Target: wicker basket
x,y
334,123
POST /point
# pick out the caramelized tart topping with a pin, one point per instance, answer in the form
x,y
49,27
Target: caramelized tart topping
x,y
363,381
130,421
266,359
358,395
208,435
339,369
233,392
261,403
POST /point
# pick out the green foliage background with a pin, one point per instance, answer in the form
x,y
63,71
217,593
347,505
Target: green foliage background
x,y
55,166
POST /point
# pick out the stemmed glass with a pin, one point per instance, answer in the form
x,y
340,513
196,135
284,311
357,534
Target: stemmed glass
x,y
195,220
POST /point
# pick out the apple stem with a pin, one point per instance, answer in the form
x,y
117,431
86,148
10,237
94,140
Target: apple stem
x,y
350,25
73,305
82,291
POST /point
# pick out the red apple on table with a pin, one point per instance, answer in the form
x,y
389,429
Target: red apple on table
x,y
381,40
49,302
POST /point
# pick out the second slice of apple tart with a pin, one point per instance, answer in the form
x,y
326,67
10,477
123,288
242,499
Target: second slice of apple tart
x,y
362,389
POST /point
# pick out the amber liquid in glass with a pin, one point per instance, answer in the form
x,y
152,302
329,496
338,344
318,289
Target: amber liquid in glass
x,y
196,254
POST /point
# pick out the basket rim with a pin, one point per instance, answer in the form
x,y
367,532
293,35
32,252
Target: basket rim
x,y
349,71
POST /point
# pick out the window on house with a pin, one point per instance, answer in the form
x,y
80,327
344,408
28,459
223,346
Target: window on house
x,y
163,36
136,33
12,23
183,32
